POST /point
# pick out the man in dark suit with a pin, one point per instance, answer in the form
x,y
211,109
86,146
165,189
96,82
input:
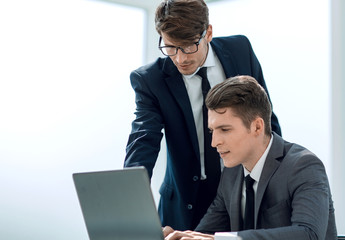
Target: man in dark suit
x,y
169,96
289,196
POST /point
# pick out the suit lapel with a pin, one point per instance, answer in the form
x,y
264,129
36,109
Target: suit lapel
x,y
225,58
178,89
271,165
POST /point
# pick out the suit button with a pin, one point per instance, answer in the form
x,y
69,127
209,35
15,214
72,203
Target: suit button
x,y
190,206
195,178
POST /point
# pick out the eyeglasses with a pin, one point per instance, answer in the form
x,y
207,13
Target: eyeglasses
x,y
172,50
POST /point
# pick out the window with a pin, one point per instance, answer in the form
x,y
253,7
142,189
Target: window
x,y
66,106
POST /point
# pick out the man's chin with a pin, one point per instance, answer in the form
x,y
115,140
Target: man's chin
x,y
186,70
229,164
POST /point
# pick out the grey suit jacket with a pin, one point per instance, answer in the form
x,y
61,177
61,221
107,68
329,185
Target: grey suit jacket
x,y
293,199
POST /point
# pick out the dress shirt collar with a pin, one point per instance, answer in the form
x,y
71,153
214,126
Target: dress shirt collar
x,y
257,170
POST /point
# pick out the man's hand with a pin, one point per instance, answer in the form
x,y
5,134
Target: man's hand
x,y
171,234
167,230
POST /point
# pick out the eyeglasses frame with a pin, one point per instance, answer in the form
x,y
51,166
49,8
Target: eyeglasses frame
x,y
182,50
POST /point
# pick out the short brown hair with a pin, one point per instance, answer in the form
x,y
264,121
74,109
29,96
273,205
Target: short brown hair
x,y
245,96
182,20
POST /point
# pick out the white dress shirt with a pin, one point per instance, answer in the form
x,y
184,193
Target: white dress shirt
x,y
215,75
255,174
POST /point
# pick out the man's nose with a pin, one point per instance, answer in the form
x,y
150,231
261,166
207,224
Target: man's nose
x,y
215,140
180,56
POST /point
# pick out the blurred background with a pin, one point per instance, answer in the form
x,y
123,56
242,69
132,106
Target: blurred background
x,y
66,104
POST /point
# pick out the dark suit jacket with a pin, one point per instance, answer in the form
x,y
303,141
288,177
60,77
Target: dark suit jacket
x,y
293,199
162,103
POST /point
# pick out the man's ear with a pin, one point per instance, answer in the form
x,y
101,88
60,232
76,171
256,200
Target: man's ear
x,y
258,126
208,36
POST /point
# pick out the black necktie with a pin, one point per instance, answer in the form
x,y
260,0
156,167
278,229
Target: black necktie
x,y
249,210
212,159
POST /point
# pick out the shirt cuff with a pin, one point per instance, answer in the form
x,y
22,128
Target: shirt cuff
x,y
226,236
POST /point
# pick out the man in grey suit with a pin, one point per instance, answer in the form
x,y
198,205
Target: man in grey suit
x,y
292,197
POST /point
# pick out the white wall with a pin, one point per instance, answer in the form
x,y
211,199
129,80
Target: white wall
x,y
338,109
65,106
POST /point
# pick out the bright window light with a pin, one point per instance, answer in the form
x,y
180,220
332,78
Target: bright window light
x,y
66,106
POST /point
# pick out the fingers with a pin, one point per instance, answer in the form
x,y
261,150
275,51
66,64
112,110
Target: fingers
x,y
167,230
201,236
188,235
198,235
178,235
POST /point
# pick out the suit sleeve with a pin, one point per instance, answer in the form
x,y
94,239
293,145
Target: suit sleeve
x,y
216,218
144,140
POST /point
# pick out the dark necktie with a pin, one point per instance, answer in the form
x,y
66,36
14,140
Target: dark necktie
x,y
249,210
212,159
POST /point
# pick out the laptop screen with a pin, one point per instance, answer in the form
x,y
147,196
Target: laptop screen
x,y
118,205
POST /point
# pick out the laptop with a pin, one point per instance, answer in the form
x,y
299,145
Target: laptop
x,y
118,205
